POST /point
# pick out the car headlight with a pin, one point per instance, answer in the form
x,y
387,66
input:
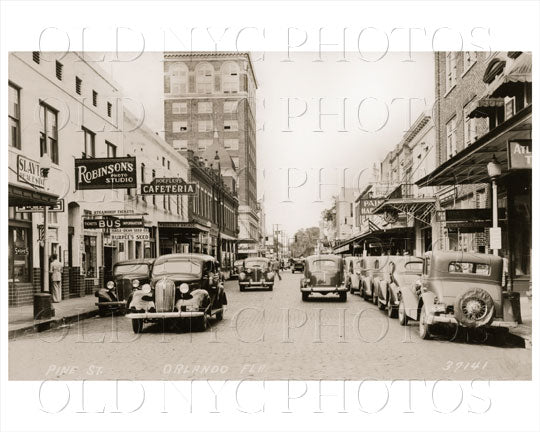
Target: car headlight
x,y
110,285
248,271
270,275
184,288
146,288
242,275
135,283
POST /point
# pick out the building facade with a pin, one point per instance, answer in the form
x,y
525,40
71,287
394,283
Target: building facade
x,y
210,97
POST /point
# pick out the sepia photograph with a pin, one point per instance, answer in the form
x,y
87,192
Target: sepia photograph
x,y
322,212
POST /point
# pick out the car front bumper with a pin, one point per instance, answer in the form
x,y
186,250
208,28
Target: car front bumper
x,y
256,284
324,289
118,304
450,319
160,315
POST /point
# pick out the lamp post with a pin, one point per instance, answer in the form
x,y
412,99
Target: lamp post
x,y
494,171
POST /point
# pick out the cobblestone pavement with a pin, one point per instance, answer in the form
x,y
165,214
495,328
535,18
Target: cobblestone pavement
x,y
265,335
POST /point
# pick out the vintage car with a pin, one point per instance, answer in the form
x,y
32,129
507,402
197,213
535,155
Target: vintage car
x,y
298,264
352,269
401,271
182,287
256,273
464,289
126,277
323,274
237,268
371,276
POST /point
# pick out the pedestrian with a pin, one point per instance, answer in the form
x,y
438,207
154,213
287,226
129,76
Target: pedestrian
x,y
56,272
276,269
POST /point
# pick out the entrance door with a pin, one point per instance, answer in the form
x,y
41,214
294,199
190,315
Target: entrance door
x,y
108,253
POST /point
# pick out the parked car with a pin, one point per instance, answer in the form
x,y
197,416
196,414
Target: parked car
x,y
256,273
401,271
463,289
298,264
126,277
182,286
237,268
353,267
371,276
323,274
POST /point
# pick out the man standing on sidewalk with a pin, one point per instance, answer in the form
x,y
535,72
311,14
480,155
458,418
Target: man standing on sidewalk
x,y
56,271
275,265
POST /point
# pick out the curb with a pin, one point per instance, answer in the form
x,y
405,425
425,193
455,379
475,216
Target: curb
x,y
39,326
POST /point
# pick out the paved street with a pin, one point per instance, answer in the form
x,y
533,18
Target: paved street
x,y
253,342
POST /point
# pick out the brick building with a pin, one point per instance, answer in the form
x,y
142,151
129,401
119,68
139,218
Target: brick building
x,y
211,97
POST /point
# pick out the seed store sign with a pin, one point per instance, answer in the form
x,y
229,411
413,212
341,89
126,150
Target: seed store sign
x,y
106,173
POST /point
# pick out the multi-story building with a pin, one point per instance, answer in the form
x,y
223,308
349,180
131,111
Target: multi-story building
x,y
483,120
211,97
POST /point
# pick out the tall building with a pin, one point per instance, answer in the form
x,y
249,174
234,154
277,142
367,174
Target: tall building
x,y
209,99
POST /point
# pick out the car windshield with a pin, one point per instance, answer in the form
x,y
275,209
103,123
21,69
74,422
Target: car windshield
x,y
178,266
480,269
323,265
414,266
256,264
131,269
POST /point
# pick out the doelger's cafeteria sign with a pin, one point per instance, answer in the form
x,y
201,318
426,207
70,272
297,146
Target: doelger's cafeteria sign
x,y
166,186
106,173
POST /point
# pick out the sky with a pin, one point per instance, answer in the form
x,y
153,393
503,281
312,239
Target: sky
x,y
323,120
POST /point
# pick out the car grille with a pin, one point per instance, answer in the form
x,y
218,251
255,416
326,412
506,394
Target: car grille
x,y
164,297
123,289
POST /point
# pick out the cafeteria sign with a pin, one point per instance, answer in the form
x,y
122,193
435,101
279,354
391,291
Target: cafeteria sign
x,y
105,173
519,154
168,186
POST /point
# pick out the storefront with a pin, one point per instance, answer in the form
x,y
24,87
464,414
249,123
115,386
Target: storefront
x,y
183,237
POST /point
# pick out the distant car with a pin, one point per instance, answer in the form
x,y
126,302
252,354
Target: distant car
x,y
459,288
323,274
256,272
401,271
237,268
182,287
298,265
126,277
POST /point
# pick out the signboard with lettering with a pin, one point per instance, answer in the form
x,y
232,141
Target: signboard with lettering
x,y
481,214
105,173
58,208
168,186
29,172
520,154
140,234
113,222
367,205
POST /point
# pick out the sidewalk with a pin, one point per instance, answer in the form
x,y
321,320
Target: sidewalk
x,y
21,319
524,330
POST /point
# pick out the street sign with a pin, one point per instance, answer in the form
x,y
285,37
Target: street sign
x,y
495,238
168,186
58,208
105,173
113,222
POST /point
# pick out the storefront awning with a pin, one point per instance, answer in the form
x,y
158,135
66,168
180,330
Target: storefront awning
x,y
516,73
27,196
469,166
419,208
485,107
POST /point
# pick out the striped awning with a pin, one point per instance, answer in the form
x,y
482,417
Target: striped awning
x,y
515,74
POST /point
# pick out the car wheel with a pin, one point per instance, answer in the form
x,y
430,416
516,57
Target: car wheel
x,y
201,324
270,287
343,296
423,327
137,325
380,304
219,315
402,315
390,309
242,289
305,296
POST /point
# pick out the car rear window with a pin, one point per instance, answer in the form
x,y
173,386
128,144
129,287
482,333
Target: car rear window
x,y
324,265
480,269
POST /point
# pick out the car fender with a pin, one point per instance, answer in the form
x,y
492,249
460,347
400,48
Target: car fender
x,y
199,297
104,294
381,290
138,302
410,301
428,300
393,291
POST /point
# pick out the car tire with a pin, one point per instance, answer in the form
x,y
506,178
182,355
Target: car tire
x,y
242,289
137,325
270,287
343,296
390,309
219,315
424,329
402,314
201,324
305,296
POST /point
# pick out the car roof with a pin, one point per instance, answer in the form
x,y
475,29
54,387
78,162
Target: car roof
x,y
325,256
191,256
463,256
257,259
136,261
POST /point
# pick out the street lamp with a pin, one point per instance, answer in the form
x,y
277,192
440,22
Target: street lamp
x,y
494,171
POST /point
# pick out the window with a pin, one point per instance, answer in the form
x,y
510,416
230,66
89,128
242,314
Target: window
x,y
203,144
450,70
94,98
181,145
143,179
180,126
153,177
59,69
49,132
179,78
230,77
78,85
469,58
230,106
169,164
509,107
204,76
36,56
451,149
470,133
205,126
204,107
162,160
179,108
236,162
89,143
230,125
469,268
111,149
231,143
14,116
109,109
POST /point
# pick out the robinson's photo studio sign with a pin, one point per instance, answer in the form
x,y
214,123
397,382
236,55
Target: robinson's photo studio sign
x,y
106,173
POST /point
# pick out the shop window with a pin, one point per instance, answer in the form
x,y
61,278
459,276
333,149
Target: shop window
x,y
14,116
19,254
49,132
90,256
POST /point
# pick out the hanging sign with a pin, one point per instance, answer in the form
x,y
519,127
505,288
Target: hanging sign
x,y
106,173
112,222
168,186
29,172
519,154
57,208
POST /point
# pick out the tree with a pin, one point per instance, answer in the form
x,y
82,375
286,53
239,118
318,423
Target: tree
x,y
305,242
